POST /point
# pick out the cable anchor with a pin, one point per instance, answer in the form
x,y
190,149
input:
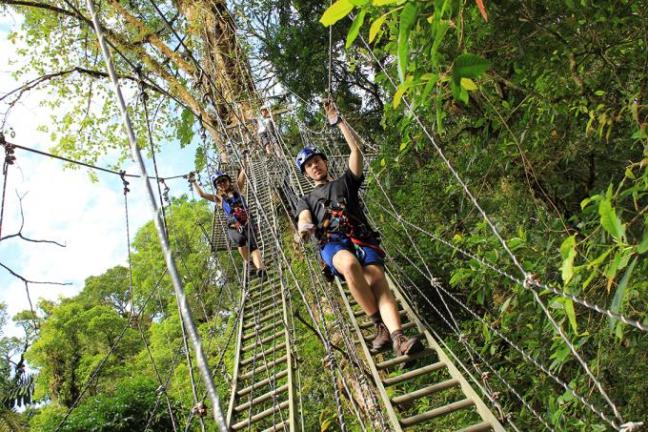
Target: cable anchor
x,y
10,156
165,192
122,174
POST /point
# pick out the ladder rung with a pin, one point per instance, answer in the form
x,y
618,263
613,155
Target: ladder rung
x,y
262,330
262,319
413,374
436,412
259,311
479,427
402,359
263,414
263,382
434,388
264,367
257,284
263,341
284,425
274,297
262,398
266,353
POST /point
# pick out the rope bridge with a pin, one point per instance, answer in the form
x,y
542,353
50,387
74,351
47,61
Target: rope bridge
x,y
266,391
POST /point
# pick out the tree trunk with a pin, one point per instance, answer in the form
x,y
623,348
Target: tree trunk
x,y
228,83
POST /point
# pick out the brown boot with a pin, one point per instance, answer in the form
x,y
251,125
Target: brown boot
x,y
382,339
404,345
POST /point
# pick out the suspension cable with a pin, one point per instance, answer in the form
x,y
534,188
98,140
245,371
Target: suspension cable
x,y
177,283
84,164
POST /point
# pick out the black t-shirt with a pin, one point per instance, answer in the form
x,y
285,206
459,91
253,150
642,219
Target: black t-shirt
x,y
341,192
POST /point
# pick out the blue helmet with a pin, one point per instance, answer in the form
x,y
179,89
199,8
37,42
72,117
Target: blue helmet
x,y
218,175
305,154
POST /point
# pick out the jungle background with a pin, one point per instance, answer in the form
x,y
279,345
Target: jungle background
x,y
540,106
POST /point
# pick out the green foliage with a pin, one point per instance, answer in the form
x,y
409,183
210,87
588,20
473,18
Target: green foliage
x,y
131,406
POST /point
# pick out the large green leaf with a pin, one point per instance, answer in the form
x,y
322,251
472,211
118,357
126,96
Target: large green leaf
x,y
469,66
571,314
407,20
354,30
375,26
643,246
610,221
568,253
619,295
336,12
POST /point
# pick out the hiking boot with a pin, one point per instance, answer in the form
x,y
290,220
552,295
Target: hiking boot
x,y
262,274
404,345
382,339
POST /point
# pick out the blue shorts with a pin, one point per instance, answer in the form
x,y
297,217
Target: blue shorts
x,y
365,254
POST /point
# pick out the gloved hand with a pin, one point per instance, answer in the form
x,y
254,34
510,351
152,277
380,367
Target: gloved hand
x,y
332,114
192,177
305,230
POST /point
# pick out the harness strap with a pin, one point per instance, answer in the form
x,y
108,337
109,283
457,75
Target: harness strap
x,y
358,242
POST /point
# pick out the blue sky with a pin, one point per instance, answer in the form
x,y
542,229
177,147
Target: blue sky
x,y
64,205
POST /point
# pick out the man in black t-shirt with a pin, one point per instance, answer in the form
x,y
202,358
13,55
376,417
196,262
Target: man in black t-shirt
x,y
349,247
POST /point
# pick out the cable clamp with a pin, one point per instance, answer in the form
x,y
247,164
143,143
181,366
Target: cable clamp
x,y
630,426
200,409
165,192
161,389
122,174
531,279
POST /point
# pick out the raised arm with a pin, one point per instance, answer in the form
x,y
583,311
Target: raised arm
x,y
352,139
200,191
241,180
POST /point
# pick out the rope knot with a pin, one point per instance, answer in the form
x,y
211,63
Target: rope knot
x,y
200,409
122,174
630,426
531,279
10,156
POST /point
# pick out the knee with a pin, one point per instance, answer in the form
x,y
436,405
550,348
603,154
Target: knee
x,y
375,275
346,265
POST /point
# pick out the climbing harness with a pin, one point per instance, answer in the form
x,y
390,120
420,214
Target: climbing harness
x,y
236,211
337,226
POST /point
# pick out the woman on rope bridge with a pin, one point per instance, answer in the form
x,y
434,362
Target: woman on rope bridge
x,y
349,247
240,227
266,130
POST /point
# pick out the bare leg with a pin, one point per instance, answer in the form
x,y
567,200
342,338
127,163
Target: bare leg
x,y
375,277
256,259
245,253
348,265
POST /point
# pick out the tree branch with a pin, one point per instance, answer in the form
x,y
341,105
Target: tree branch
x,y
29,85
19,234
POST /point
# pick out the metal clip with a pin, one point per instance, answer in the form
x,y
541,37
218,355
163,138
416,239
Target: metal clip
x,y
122,174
